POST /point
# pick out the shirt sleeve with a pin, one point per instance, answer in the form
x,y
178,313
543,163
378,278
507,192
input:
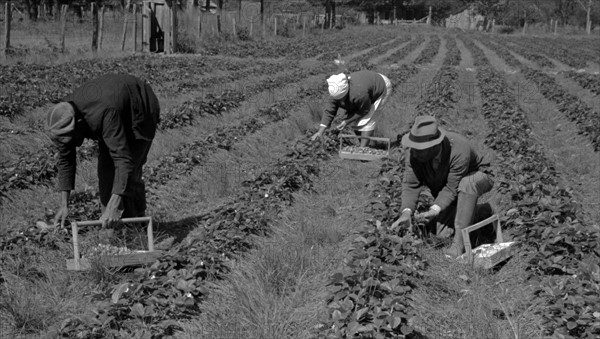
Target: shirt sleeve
x,y
113,134
329,112
459,168
411,186
66,165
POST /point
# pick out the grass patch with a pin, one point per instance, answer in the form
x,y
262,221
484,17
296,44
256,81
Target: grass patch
x,y
276,290
457,301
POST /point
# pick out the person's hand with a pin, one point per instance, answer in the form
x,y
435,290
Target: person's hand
x,y
428,216
403,221
342,125
112,213
61,216
316,136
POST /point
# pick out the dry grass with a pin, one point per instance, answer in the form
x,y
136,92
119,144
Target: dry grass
x,y
456,301
276,290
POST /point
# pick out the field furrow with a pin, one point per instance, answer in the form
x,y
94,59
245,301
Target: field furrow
x,y
264,233
558,246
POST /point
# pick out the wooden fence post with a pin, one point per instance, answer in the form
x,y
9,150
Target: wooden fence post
x,y
125,22
135,27
63,26
234,30
101,26
200,24
429,16
173,24
304,26
95,26
146,26
7,19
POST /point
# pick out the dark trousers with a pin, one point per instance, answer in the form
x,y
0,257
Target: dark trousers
x,y
476,183
134,200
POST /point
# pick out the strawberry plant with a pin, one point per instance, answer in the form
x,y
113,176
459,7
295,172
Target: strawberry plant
x,y
452,52
590,82
430,51
402,53
541,60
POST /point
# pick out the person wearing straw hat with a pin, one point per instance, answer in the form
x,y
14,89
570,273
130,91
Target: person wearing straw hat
x,y
121,112
449,166
361,94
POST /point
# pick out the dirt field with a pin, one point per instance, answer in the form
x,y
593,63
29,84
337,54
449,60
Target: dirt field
x,y
265,234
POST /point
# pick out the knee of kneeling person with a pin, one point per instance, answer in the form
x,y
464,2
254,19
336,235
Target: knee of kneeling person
x,y
468,186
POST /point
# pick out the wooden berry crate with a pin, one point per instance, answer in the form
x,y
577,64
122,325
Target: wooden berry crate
x,y
362,156
488,255
121,260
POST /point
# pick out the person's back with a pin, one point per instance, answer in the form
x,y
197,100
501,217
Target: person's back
x,y
131,98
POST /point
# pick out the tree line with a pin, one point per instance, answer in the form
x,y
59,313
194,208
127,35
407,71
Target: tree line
x,y
508,12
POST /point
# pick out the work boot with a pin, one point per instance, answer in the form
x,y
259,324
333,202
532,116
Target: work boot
x,y
465,209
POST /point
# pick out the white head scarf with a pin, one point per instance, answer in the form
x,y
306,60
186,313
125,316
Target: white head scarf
x,y
338,85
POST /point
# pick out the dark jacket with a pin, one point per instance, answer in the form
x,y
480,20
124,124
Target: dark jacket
x,y
458,158
116,110
364,88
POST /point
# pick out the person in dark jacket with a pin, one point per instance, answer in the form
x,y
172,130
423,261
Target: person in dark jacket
x,y
449,166
362,94
121,112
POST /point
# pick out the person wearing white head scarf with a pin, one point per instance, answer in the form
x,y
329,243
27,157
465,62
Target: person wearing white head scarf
x,y
361,94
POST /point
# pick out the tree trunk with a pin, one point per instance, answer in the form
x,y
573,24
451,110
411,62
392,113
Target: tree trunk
x,y
333,13
588,24
327,13
262,11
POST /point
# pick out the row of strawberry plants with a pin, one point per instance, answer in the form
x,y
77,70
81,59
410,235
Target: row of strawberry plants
x,y
174,286
584,50
569,105
296,48
562,251
586,119
362,62
525,51
587,48
190,155
502,52
430,51
26,87
370,298
452,57
40,167
185,113
357,44
479,58
590,82
380,49
557,51
443,91
182,161
402,53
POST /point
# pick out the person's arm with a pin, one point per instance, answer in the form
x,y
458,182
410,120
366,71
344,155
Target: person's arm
x,y
411,186
114,136
66,165
329,112
459,166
